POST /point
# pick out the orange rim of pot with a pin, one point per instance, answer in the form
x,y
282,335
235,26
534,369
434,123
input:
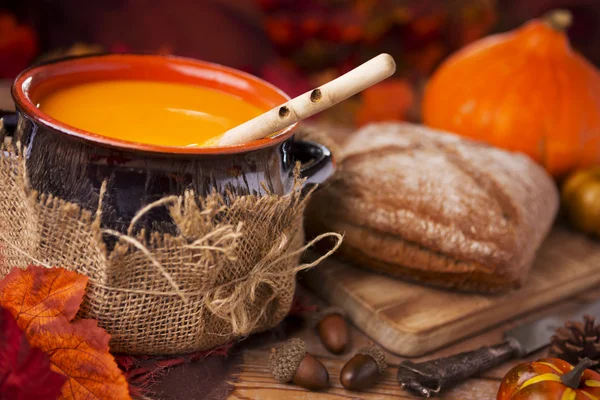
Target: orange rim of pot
x,y
33,83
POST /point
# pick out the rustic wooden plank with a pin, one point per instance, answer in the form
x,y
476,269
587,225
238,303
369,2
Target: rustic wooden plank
x,y
588,295
255,382
252,379
411,319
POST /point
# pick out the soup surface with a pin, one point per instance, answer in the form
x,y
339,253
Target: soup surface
x,y
159,113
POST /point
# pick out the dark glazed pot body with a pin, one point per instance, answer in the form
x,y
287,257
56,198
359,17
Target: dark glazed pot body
x,y
73,164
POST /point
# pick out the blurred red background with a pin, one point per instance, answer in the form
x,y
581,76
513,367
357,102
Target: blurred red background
x,y
294,44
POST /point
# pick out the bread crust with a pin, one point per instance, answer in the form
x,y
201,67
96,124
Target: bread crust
x,y
433,207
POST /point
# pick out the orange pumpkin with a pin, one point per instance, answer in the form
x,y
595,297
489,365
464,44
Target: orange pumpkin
x,y
550,379
525,90
388,100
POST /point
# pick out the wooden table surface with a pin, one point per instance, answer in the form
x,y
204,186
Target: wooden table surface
x,y
244,374
253,380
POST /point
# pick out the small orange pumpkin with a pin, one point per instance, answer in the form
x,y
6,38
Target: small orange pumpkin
x,y
388,100
551,379
525,90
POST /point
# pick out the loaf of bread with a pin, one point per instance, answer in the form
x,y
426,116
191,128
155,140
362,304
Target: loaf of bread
x,y
432,207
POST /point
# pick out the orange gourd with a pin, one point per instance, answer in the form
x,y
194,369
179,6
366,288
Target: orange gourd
x,y
524,90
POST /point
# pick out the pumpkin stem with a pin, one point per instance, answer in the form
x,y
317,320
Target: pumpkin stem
x,y
559,20
573,377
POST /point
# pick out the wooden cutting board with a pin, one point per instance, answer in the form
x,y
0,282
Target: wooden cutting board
x,y
411,320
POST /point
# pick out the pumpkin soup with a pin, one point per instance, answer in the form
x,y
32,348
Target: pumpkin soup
x,y
159,113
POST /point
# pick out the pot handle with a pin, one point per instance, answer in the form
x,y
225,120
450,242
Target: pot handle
x,y
316,162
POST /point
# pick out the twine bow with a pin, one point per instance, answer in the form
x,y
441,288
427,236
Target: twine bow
x,y
233,300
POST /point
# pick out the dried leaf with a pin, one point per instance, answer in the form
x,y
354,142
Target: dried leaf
x,y
82,354
25,372
44,301
39,295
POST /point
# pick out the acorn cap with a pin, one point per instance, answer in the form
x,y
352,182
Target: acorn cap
x,y
376,354
319,315
284,360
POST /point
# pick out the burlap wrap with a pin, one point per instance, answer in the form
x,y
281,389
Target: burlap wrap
x,y
228,272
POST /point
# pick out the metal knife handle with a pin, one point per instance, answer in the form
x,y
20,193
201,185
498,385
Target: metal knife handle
x,y
430,377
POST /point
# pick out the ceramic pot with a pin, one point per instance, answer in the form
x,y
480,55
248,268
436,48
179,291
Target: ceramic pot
x,y
72,163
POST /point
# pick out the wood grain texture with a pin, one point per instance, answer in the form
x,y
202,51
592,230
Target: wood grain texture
x,y
411,320
253,380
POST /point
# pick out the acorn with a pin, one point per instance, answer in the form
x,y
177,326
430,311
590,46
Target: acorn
x,y
364,369
332,329
291,362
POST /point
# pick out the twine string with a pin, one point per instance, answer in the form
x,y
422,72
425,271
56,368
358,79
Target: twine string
x,y
233,300
233,306
147,208
17,249
229,235
136,243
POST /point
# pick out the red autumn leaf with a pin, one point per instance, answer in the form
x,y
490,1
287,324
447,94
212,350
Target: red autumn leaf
x,y
25,372
40,295
43,302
